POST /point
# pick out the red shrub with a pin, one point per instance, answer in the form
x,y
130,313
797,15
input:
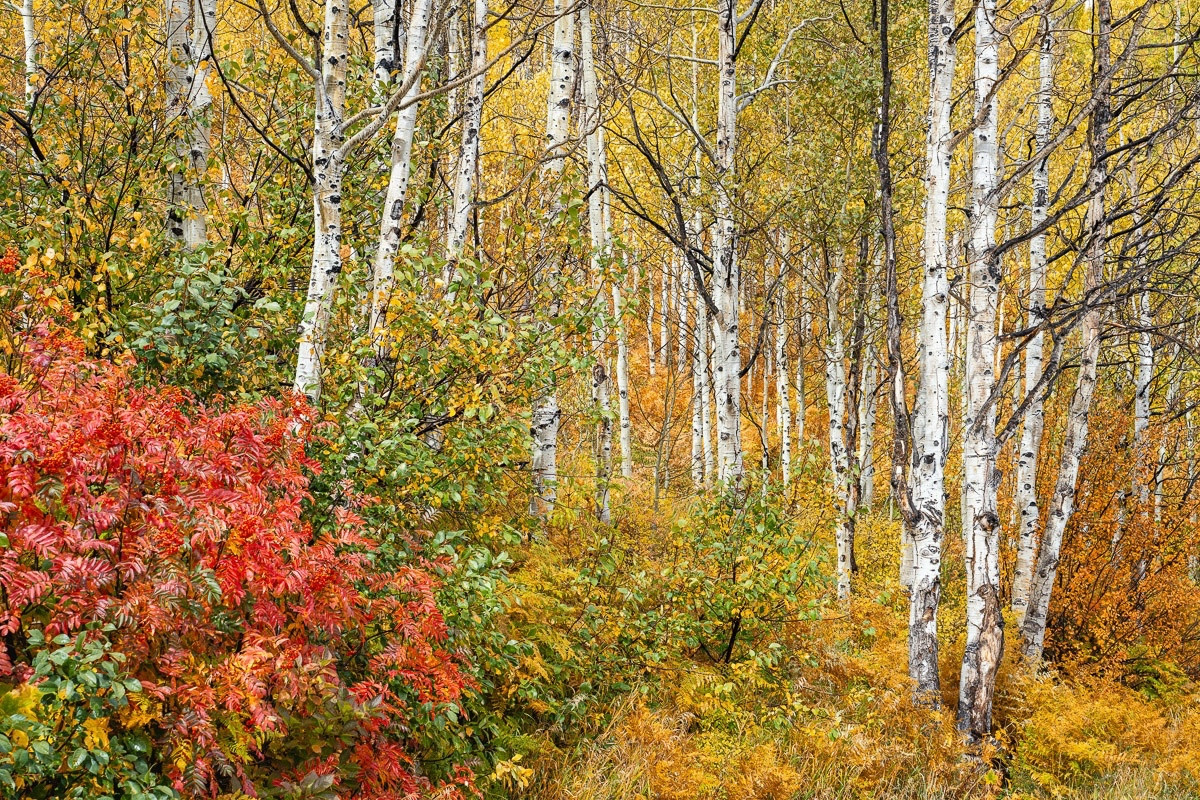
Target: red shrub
x,y
274,648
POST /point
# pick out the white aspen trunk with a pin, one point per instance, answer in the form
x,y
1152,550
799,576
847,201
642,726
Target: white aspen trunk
x,y
1062,503
387,26
764,374
726,279
29,33
783,401
327,201
453,61
390,228
1141,421
600,232
1141,396
683,333
1033,423
981,529
188,101
801,397
546,414
839,457
626,423
650,355
601,393
1161,465
867,413
468,154
704,365
922,547
664,329
698,391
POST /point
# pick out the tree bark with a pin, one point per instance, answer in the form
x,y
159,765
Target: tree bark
x,y
1034,421
546,413
188,103
931,414
726,278
29,34
383,274
981,526
1062,503
839,456
468,154
327,201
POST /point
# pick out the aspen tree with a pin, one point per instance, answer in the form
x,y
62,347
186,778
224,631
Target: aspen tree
x,y
839,456
468,154
601,241
383,273
29,36
726,281
387,26
981,525
1062,502
867,411
188,103
781,385
931,413
546,413
1034,421
328,166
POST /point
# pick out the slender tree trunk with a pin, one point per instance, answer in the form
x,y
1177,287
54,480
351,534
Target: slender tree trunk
x,y
29,32
867,410
801,340
839,457
546,413
981,528
781,390
468,154
626,423
1034,421
383,275
650,350
327,201
387,26
931,418
598,226
189,102
1062,504
726,279
664,327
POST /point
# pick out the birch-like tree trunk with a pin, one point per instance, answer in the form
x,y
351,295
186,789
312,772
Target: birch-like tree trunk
x,y
839,456
546,412
383,278
189,101
931,417
29,35
387,26
781,391
664,327
801,340
624,420
468,153
1062,503
328,165
726,279
981,527
867,411
1035,415
601,240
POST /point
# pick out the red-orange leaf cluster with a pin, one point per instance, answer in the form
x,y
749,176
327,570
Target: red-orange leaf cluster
x,y
252,620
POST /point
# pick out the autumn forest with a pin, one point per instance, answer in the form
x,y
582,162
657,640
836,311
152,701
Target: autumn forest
x,y
599,399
